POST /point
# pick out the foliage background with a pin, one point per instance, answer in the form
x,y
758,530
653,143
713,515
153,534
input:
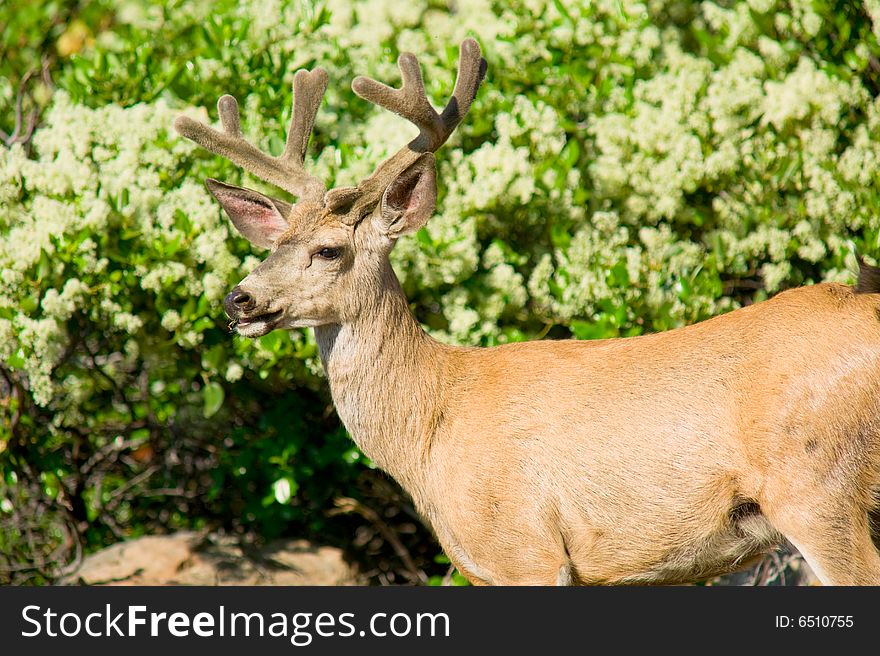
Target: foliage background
x,y
627,167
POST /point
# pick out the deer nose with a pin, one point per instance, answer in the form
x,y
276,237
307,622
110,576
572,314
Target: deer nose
x,y
238,301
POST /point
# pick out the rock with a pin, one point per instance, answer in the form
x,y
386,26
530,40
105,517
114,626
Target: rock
x,y
187,558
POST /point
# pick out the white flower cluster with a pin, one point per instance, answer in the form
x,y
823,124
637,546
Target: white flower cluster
x,y
605,170
98,178
759,137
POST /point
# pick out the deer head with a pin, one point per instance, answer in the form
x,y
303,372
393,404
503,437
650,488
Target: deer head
x,y
330,247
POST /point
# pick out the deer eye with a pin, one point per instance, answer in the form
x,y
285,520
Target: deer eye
x,y
328,253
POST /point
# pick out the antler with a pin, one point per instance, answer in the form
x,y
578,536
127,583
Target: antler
x,y
285,171
411,102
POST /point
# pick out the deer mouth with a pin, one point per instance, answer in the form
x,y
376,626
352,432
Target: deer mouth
x,y
256,325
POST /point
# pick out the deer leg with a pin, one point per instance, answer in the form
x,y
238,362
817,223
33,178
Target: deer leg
x,y
565,577
836,542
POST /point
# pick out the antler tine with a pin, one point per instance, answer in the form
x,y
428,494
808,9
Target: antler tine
x,y
227,107
285,171
411,101
471,71
308,91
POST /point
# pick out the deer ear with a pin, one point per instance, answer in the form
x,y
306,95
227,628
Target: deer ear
x,y
258,218
409,200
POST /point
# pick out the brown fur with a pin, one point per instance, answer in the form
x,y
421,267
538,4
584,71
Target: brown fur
x,y
640,450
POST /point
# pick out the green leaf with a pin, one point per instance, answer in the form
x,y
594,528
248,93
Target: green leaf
x,y
213,396
284,489
274,341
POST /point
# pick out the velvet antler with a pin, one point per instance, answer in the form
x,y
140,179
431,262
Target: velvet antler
x,y
285,171
411,102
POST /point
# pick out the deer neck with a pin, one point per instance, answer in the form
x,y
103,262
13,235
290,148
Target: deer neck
x,y
385,378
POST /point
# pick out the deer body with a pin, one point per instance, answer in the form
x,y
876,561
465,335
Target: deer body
x,y
657,459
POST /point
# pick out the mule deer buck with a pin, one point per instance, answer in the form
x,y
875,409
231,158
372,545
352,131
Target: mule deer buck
x,y
664,458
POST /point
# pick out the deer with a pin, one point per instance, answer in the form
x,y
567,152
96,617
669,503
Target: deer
x,y
664,458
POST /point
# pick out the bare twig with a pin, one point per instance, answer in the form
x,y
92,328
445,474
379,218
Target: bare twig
x,y
169,492
23,129
116,495
45,74
447,580
113,448
74,564
347,505
19,103
772,567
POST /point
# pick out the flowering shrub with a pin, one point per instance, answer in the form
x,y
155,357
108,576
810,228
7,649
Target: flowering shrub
x,y
626,168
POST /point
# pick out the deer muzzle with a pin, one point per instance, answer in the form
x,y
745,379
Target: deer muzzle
x,y
240,307
237,303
